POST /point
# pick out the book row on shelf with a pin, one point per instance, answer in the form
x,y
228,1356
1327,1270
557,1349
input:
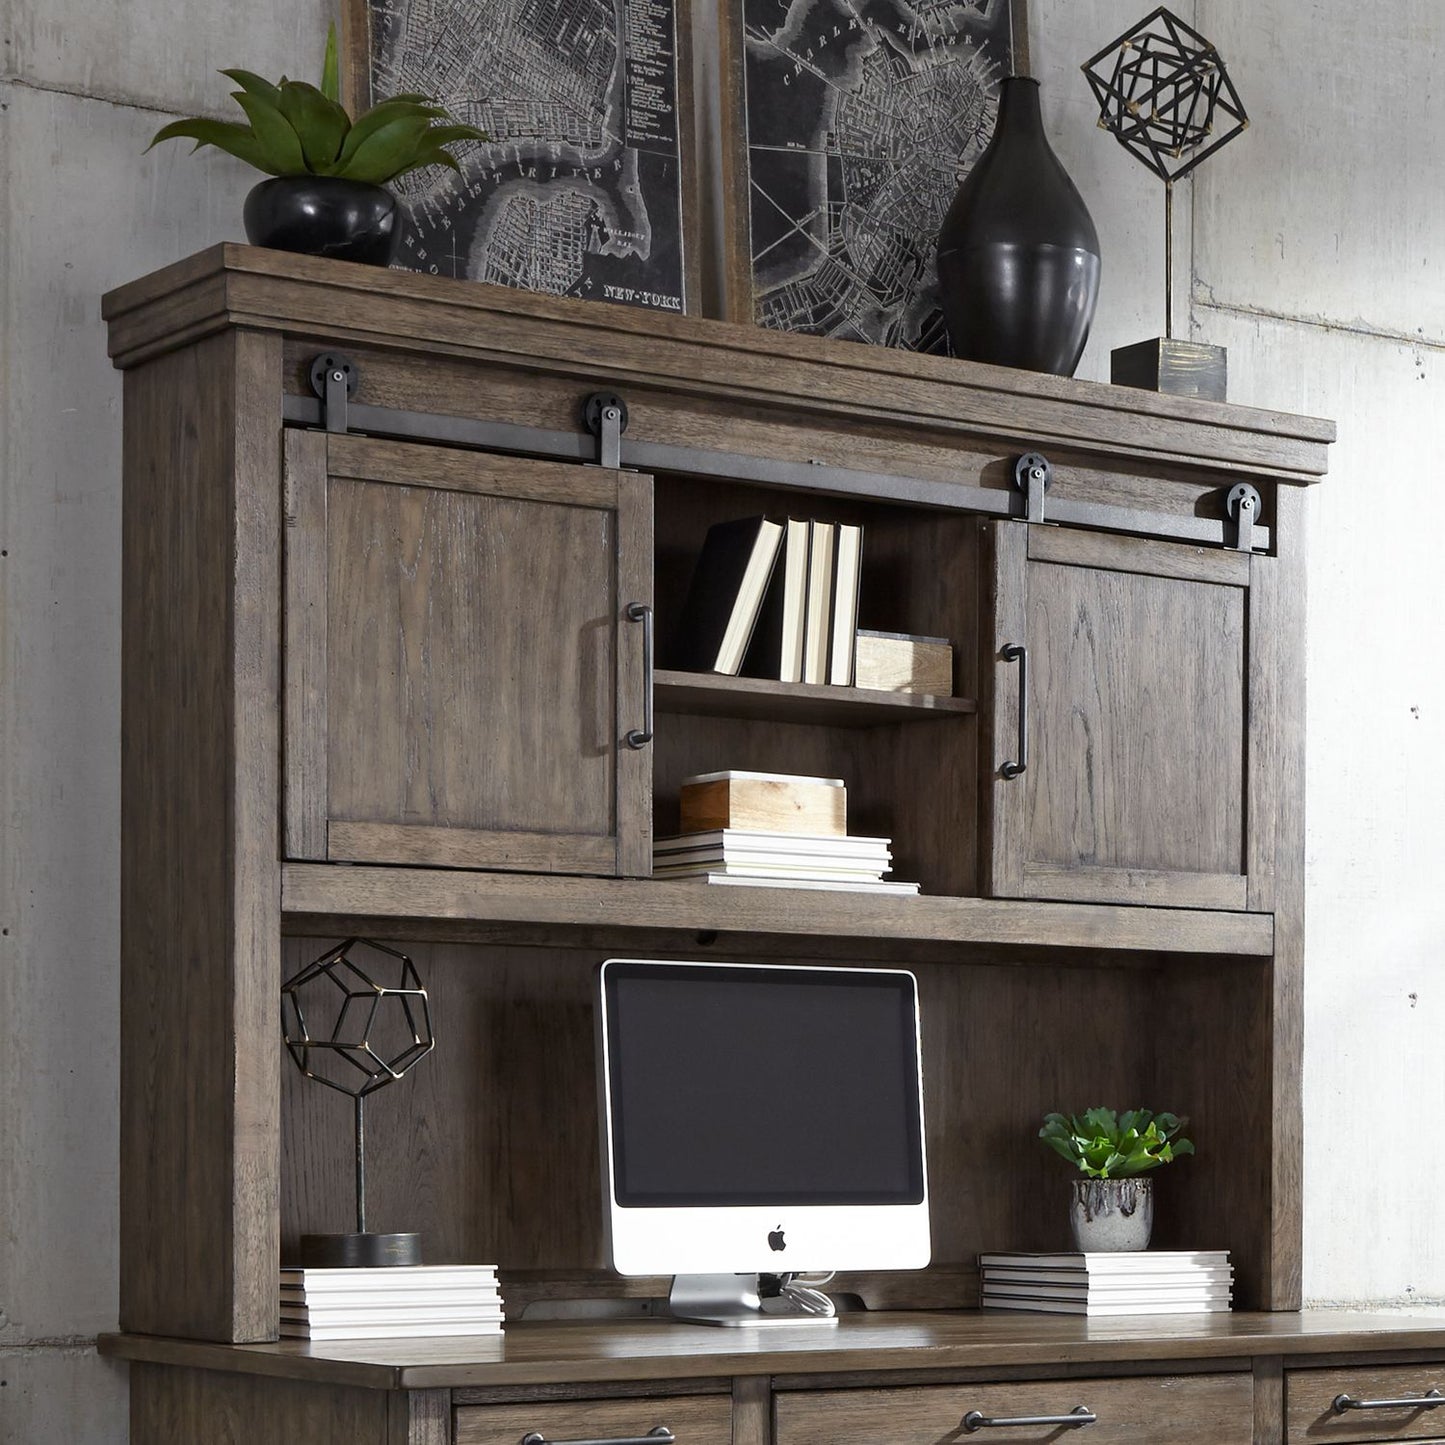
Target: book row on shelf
x,y
780,600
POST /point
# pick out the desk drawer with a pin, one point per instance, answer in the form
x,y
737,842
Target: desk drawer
x,y
1310,1397
1148,1410
693,1420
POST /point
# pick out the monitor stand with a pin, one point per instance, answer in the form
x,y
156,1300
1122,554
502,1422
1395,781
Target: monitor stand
x,y
733,1299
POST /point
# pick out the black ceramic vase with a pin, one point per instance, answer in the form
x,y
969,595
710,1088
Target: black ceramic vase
x,y
324,216
1018,256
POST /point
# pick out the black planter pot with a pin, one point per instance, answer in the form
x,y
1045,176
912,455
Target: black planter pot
x,y
324,216
1018,256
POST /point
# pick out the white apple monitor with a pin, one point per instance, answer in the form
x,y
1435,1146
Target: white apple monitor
x,y
760,1119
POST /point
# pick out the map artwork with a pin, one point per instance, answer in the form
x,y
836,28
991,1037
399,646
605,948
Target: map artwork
x,y
578,191
862,117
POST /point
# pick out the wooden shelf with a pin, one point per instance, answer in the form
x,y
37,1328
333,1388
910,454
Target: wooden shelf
x,y
419,896
714,695
577,1353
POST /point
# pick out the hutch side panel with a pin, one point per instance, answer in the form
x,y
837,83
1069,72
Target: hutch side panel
x,y
200,878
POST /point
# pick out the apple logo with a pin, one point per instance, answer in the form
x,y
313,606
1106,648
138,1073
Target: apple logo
x,y
776,1240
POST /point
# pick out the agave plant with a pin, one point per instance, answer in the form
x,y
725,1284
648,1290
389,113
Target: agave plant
x,y
296,129
1106,1145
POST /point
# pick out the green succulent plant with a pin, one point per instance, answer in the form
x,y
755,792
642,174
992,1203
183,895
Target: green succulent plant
x,y
1106,1145
296,129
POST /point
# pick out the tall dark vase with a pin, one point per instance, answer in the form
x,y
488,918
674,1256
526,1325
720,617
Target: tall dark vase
x,y
1018,256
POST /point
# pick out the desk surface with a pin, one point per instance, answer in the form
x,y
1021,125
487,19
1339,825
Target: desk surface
x,y
552,1353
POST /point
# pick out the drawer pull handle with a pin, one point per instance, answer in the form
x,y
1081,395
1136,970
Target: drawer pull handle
x,y
1432,1399
1076,1419
660,1435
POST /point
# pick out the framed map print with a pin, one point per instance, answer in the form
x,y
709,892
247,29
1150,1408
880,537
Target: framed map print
x,y
846,127
584,187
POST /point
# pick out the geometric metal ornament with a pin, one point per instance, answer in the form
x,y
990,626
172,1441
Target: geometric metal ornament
x,y
357,1031
347,1030
1165,94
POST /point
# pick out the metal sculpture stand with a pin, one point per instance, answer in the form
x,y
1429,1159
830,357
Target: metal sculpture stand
x,y
355,1035
1161,97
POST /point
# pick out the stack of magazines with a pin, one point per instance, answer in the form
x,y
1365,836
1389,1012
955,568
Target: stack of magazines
x,y
782,859
396,1301
1146,1282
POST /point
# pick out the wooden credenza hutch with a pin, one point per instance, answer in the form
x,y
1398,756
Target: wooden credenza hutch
x,y
390,546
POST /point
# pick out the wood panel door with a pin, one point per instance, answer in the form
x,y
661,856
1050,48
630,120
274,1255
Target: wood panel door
x,y
461,667
1138,674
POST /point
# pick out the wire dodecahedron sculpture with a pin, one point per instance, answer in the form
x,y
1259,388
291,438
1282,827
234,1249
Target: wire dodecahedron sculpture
x,y
347,1030
1162,88
355,1034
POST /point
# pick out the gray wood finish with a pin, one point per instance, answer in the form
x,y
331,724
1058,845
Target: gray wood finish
x,y
200,881
1162,1410
696,1420
908,1347
1138,718
309,297
1310,1396
314,896
457,641
169,1405
1149,868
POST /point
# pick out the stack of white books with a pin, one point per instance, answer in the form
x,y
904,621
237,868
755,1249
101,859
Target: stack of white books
x,y
1146,1282
779,859
398,1301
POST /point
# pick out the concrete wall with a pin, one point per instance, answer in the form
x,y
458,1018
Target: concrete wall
x,y
1317,258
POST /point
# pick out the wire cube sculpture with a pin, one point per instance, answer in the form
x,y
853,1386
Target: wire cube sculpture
x,y
1164,93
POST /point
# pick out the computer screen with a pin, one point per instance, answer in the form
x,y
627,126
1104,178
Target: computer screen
x,y
761,1118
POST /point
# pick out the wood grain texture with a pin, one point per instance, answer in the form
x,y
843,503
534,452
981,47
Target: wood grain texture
x,y
1173,888
168,1405
693,694
450,846
633,821
872,1346
696,1420
1137,710
419,1417
1310,1395
304,658
199,875
752,1411
1221,1083
464,726
314,297
1281,798
1268,1401
1163,1410
1167,710
489,1147
1136,554
422,895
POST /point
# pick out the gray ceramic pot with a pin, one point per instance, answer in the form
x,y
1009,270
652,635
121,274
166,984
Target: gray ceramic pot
x,y
1109,1215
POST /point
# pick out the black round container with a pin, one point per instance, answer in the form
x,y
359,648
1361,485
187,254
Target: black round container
x,y
324,216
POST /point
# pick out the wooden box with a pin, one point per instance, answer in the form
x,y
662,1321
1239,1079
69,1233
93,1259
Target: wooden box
x,y
763,802
894,662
